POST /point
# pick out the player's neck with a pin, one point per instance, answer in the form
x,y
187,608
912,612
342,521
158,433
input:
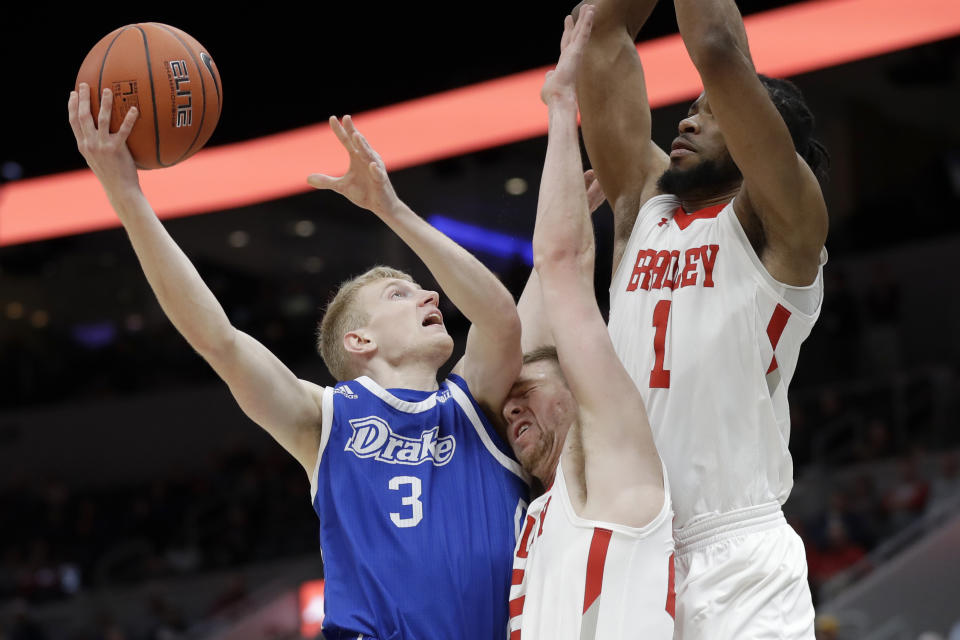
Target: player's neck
x,y
701,201
419,376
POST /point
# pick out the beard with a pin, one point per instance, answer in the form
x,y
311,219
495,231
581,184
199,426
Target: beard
x,y
704,179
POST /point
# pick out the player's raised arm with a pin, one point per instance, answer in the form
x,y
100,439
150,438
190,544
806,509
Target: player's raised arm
x,y
615,113
533,317
267,391
492,358
778,186
620,457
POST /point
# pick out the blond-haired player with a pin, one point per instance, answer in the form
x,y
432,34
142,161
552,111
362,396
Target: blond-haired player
x,y
418,499
718,280
594,559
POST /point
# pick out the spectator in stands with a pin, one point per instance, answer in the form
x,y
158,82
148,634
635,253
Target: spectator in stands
x,y
907,498
839,552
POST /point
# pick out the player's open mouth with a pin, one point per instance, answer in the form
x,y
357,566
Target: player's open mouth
x,y
432,318
520,429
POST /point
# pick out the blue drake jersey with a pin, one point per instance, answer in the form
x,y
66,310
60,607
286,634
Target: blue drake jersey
x,y
419,504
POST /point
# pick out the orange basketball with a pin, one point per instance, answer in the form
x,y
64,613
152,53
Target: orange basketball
x,y
169,77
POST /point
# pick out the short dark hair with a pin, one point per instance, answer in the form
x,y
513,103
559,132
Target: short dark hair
x,y
789,101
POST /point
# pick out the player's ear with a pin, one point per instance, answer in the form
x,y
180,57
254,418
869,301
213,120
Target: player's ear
x,y
359,342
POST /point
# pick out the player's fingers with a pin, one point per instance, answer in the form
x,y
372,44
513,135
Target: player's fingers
x,y
72,114
362,144
584,25
127,125
83,110
106,110
341,134
567,32
589,177
321,181
349,126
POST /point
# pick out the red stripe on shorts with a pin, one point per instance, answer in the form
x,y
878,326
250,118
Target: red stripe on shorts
x,y
671,589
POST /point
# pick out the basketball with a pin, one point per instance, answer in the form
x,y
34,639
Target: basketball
x,y
169,77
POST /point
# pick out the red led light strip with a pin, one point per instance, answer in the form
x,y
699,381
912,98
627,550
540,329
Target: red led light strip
x,y
795,39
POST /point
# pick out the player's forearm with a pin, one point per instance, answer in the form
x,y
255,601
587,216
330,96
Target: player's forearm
x,y
563,232
475,291
186,300
713,33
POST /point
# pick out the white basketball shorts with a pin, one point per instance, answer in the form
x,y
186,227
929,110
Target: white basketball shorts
x,y
742,576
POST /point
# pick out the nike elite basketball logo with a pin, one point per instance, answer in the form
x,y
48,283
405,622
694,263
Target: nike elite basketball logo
x,y
183,97
208,63
373,438
655,269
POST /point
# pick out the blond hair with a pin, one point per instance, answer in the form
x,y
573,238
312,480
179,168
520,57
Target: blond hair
x,y
343,315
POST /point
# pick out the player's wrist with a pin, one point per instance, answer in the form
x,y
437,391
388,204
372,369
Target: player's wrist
x,y
561,100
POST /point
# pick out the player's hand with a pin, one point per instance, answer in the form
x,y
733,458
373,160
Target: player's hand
x,y
106,153
595,194
366,183
561,82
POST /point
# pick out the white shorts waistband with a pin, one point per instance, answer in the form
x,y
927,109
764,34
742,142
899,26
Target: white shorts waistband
x,y
722,526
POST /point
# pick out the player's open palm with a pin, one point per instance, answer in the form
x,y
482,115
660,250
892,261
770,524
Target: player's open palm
x,y
366,183
106,153
561,82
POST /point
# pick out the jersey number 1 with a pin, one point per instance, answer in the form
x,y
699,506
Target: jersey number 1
x,y
660,377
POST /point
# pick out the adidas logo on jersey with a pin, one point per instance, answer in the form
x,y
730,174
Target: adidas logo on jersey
x,y
345,391
373,438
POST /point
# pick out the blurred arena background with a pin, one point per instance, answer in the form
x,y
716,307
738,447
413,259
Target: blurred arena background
x,y
137,502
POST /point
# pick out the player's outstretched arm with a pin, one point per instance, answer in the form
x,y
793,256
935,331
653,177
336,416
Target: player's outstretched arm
x,y
492,358
623,474
267,391
778,186
615,113
533,317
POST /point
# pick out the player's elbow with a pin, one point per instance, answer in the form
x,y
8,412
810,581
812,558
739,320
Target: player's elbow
x,y
217,348
559,261
717,48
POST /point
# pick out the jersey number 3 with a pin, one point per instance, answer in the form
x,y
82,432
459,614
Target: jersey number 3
x,y
412,501
660,377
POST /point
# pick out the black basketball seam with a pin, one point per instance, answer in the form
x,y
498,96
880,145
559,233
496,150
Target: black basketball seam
x,y
153,97
104,62
203,87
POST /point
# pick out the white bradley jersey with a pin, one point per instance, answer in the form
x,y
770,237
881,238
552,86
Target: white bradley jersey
x,y
578,579
711,340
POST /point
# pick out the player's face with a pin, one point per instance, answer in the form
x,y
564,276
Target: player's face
x,y
539,411
699,159
405,321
